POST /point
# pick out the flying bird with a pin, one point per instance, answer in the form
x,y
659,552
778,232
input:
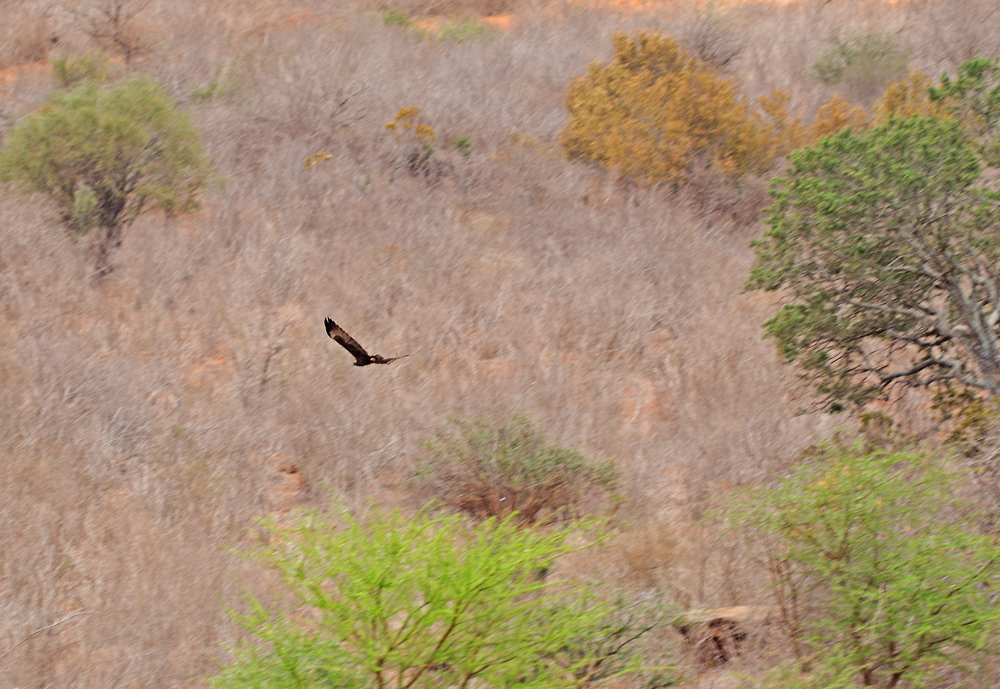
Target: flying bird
x,y
361,357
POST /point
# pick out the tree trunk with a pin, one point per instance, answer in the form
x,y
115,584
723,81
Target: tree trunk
x,y
111,240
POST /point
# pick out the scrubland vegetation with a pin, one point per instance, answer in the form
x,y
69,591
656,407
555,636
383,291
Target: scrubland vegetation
x,y
631,392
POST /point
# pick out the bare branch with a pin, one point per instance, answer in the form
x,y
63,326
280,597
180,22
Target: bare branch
x,y
38,631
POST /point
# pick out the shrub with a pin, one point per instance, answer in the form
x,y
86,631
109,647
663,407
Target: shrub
x,y
627,634
493,469
862,64
655,109
417,138
463,144
901,579
972,97
105,155
27,32
395,18
788,130
441,8
462,31
834,116
71,71
907,98
414,602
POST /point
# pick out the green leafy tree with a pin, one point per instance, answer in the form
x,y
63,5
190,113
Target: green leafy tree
x,y
106,155
416,602
888,254
902,580
973,97
493,468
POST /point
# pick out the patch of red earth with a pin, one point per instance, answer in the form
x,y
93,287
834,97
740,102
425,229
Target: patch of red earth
x,y
11,75
284,21
502,22
640,404
435,23
287,486
210,373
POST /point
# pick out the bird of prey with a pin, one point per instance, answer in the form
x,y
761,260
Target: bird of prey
x,y
362,358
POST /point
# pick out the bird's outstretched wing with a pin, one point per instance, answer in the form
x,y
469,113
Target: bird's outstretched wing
x,y
376,359
340,336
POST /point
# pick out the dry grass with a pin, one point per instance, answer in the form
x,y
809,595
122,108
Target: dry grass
x,y
27,32
149,419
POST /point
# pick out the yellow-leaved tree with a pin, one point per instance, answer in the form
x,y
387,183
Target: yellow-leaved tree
x,y
656,110
908,98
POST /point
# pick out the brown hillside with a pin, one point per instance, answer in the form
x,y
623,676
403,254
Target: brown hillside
x,y
149,417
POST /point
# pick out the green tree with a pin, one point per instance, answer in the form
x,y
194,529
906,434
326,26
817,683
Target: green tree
x,y
891,558
105,155
415,602
973,97
889,256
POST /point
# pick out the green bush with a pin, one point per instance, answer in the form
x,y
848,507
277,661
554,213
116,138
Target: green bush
x,y
395,18
656,110
73,70
863,64
104,155
972,97
415,602
463,144
880,544
462,31
493,468
628,634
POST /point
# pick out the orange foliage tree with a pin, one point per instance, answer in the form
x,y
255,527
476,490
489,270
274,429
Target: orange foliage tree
x,y
908,98
655,110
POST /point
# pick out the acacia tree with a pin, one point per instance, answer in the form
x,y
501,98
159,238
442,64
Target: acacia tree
x,y
420,602
887,248
898,579
106,155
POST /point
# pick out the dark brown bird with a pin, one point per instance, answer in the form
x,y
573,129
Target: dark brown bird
x,y
361,357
